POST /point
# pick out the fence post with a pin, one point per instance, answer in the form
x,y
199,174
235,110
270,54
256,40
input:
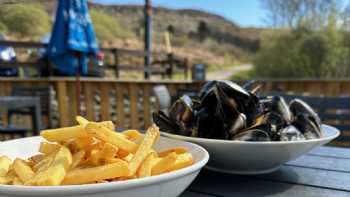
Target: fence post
x,y
116,62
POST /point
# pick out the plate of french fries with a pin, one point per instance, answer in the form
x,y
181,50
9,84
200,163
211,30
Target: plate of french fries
x,y
91,159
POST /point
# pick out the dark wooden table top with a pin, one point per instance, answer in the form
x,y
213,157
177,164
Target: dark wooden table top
x,y
325,171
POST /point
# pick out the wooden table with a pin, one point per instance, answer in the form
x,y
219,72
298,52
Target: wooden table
x,y
325,171
20,102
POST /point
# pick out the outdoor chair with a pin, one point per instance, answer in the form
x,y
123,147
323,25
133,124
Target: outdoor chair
x,y
334,111
162,94
43,92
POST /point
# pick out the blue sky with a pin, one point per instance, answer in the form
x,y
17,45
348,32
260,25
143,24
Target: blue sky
x,y
243,12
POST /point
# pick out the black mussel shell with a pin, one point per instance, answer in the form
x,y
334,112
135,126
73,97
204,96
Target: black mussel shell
x,y
280,106
298,106
308,126
252,135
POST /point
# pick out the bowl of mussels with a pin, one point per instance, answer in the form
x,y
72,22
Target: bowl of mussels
x,y
244,133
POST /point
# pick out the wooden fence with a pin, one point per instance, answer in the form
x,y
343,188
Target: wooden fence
x,y
130,103
165,64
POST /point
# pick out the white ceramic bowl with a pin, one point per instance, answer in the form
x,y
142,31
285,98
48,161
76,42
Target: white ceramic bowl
x,y
240,157
164,185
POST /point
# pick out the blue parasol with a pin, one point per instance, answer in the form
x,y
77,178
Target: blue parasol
x,y
73,38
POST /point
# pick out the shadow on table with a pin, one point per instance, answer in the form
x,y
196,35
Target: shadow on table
x,y
209,182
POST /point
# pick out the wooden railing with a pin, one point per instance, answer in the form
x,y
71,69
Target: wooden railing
x,y
174,63
130,103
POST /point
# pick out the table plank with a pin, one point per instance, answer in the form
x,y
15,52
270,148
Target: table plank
x,y
220,184
322,162
310,177
331,152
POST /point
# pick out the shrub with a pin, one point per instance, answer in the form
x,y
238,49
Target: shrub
x,y
107,27
25,19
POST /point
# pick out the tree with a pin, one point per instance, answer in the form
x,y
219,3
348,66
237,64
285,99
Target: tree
x,y
293,13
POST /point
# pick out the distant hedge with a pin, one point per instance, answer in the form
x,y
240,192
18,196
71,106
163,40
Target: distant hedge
x,y
26,20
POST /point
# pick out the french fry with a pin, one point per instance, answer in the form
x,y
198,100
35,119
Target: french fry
x,y
132,135
77,158
95,157
113,160
144,149
63,134
114,138
51,176
36,158
177,150
23,170
90,175
128,157
108,151
44,164
56,172
165,164
5,180
147,165
5,163
84,141
17,181
81,121
48,148
182,160
108,124
63,157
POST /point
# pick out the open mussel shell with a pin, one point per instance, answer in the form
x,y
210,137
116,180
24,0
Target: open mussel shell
x,y
291,133
308,126
298,107
165,124
182,110
252,135
280,106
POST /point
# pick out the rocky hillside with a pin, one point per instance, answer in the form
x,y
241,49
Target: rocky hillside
x,y
199,35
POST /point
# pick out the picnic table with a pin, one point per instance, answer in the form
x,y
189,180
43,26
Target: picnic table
x,y
325,171
20,102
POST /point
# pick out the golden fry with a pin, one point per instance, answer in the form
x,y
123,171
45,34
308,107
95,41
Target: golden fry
x,y
23,170
177,150
48,148
5,163
112,137
144,149
108,124
147,165
133,135
77,158
165,164
81,121
182,160
63,134
17,181
56,172
90,175
108,151
36,158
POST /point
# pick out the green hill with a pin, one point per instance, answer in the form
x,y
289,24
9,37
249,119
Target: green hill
x,y
199,35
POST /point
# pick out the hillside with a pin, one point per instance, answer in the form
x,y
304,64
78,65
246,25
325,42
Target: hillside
x,y
201,36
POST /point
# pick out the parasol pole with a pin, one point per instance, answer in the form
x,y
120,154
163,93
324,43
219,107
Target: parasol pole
x,y
77,83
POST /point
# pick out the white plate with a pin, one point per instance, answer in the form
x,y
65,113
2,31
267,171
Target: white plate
x,y
164,185
240,157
